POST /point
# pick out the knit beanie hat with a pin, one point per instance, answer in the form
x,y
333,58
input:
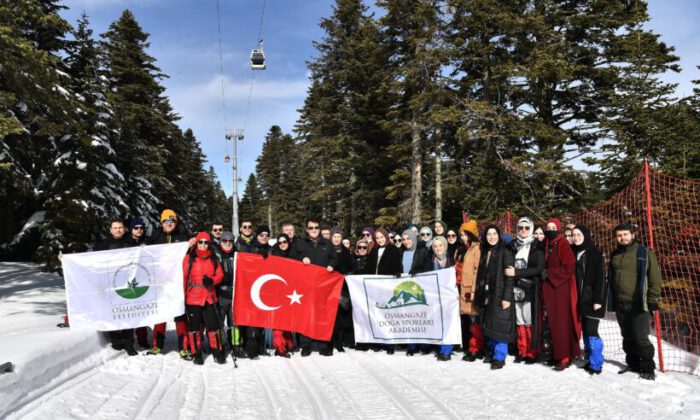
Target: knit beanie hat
x,y
470,226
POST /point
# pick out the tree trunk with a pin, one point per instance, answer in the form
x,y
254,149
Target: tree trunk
x,y
417,180
269,218
438,177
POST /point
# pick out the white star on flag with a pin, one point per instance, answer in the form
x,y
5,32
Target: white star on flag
x,y
294,298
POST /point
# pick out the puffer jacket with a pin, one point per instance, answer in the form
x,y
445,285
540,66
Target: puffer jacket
x,y
195,291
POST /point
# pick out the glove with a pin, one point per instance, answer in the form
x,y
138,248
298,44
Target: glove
x,y
653,307
264,254
207,281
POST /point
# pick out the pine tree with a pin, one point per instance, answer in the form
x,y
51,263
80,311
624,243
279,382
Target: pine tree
x,y
252,205
145,118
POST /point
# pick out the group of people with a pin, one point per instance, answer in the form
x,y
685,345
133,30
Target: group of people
x,y
542,289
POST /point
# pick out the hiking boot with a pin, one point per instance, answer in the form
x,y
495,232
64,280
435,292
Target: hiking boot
x,y
530,360
518,359
443,357
185,354
649,376
305,352
324,352
285,355
410,352
562,365
488,358
220,357
197,358
497,364
469,357
154,351
238,352
591,371
426,352
390,350
130,350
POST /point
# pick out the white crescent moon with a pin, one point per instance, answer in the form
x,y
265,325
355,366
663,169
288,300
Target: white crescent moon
x,y
255,291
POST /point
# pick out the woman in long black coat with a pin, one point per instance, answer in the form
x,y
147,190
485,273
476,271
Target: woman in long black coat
x,y
343,330
592,287
494,294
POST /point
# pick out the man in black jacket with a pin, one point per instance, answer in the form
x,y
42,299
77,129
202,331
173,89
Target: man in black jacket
x,y
121,339
321,253
298,249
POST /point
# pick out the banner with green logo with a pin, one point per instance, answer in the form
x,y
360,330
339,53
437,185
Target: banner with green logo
x,y
411,309
125,288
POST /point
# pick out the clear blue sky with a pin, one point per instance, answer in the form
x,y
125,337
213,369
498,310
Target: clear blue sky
x,y
184,41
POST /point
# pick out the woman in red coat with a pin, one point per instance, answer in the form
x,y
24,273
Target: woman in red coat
x,y
559,291
201,272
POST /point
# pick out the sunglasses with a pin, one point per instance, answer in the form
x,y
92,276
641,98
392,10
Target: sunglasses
x,y
452,236
397,240
168,222
362,247
427,235
281,242
247,227
137,228
203,242
366,234
523,227
313,228
217,230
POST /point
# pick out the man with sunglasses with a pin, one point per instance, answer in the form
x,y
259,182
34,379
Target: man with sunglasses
x,y
297,247
217,230
321,253
246,241
170,234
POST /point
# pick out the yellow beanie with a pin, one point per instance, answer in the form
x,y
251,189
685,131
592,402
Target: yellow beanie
x,y
470,226
168,214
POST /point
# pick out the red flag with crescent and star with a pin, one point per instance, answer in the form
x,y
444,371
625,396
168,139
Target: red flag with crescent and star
x,y
285,294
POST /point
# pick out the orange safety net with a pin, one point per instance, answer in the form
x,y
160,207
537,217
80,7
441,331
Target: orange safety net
x,y
667,216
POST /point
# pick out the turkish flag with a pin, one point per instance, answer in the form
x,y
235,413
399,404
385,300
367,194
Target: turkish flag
x,y
285,294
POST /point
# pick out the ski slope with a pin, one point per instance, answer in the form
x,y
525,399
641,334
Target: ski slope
x,y
63,374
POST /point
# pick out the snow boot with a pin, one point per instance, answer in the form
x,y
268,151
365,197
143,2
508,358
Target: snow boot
x,y
595,354
195,342
185,354
497,364
130,350
649,376
282,354
217,348
154,351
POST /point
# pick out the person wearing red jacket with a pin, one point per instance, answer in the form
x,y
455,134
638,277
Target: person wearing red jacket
x,y
201,273
560,296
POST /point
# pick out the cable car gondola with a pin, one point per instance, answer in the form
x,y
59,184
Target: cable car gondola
x,y
257,57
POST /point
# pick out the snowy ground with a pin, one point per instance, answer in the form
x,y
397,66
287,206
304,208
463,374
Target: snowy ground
x,y
62,374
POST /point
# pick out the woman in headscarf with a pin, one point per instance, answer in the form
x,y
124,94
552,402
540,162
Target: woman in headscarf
x,y
359,258
415,260
442,261
467,265
560,296
426,237
367,233
343,329
494,296
282,340
452,243
539,234
440,228
592,289
527,270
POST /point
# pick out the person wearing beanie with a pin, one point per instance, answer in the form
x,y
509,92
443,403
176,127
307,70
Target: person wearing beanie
x,y
262,240
467,265
560,296
226,252
367,233
592,287
167,234
201,273
527,270
494,296
137,228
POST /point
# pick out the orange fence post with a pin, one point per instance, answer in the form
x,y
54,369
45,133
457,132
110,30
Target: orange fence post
x,y
650,227
508,221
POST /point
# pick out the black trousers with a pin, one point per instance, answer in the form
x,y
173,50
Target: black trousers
x,y
122,337
589,327
200,317
634,326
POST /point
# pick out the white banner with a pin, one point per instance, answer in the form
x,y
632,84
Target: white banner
x,y
419,309
125,288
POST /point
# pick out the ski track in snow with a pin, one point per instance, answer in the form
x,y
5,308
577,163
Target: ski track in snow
x,y
75,375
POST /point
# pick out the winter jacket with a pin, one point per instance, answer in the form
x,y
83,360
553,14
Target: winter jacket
x,y
298,249
422,261
359,264
111,243
467,275
344,260
389,264
226,260
629,281
195,291
321,253
529,279
591,283
493,287
242,245
159,237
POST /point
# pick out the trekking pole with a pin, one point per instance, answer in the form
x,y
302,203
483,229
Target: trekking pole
x,y
222,332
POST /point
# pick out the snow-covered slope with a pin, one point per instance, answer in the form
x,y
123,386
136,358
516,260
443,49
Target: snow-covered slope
x,y
69,374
